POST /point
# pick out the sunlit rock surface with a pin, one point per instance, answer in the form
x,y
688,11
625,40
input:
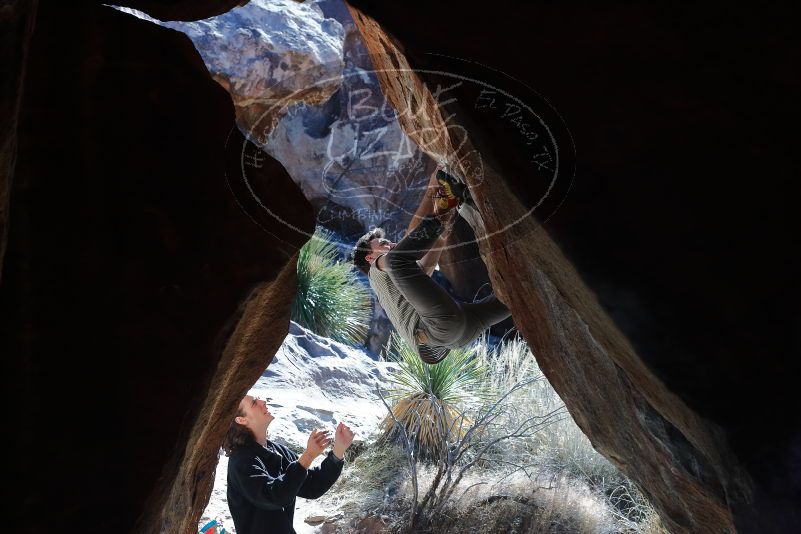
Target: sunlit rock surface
x,y
124,281
350,156
268,54
304,89
314,382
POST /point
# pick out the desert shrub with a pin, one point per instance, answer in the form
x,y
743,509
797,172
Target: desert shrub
x,y
426,398
449,414
330,300
508,365
561,449
541,477
371,479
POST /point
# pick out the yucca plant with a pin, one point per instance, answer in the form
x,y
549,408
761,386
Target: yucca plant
x,y
426,398
330,300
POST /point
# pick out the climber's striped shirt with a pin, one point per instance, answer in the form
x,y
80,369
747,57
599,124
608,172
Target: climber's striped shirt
x,y
401,314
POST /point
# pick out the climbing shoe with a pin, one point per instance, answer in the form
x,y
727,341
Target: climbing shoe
x,y
445,199
455,187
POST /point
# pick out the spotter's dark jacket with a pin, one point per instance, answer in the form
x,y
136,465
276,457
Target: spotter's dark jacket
x,y
264,481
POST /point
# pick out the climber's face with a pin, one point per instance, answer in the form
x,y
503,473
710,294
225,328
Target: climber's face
x,y
378,247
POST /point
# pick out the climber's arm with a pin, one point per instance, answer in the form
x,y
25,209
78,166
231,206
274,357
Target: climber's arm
x,y
431,258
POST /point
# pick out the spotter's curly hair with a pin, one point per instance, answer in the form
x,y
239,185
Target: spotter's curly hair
x,y
237,435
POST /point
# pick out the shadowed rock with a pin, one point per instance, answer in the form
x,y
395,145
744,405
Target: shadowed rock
x,y
661,299
303,87
131,249
627,318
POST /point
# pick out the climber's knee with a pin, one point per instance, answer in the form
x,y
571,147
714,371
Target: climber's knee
x,y
397,261
447,329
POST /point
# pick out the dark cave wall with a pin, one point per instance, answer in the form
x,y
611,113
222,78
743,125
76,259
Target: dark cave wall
x,y
684,198
129,255
677,222
16,27
132,246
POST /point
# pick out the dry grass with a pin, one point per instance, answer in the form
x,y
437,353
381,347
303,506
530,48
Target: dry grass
x,y
427,399
525,504
552,481
370,482
487,503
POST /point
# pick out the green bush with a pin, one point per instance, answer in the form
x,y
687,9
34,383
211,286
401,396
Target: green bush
x,y
425,398
548,480
330,300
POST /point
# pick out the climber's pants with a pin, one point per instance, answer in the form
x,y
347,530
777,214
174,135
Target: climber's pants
x,y
445,321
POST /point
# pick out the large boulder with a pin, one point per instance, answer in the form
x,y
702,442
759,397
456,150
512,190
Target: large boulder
x,y
125,325
647,293
303,87
268,55
314,382
351,158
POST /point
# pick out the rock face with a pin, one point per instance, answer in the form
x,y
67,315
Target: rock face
x,y
622,299
132,248
16,27
324,117
302,83
268,55
338,383
351,158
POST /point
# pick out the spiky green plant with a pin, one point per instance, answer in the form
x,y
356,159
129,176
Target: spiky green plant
x,y
330,300
426,398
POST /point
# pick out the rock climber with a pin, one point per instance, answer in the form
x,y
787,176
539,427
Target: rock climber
x,y
264,478
421,310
